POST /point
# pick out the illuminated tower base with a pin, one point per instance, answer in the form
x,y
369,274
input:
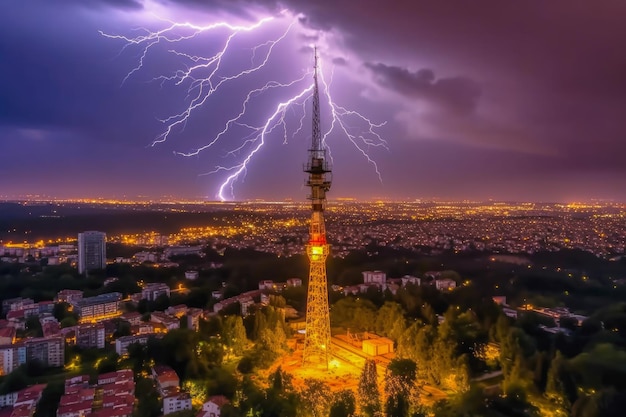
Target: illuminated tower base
x,y
317,336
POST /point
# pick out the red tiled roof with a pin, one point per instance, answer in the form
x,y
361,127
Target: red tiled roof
x,y
68,399
22,410
73,408
114,412
7,332
15,314
218,400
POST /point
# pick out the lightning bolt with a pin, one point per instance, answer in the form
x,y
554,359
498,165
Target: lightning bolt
x,y
367,138
203,76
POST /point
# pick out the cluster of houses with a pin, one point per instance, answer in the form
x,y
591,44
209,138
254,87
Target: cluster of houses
x,y
98,320
379,281
558,314
22,403
110,395
113,395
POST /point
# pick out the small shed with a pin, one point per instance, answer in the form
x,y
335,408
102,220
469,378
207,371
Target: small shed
x,y
378,346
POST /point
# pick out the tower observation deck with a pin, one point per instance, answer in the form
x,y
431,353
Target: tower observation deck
x,y
317,333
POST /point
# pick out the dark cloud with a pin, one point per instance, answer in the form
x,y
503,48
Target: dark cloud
x,y
495,98
459,94
118,4
130,4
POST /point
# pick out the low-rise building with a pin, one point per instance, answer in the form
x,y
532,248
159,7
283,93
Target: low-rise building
x,y
76,382
177,310
117,377
124,411
169,322
132,318
409,279
81,409
165,377
98,308
7,335
191,275
377,346
193,318
266,284
374,277
245,303
445,284
122,343
174,400
213,407
294,282
182,250
153,290
69,296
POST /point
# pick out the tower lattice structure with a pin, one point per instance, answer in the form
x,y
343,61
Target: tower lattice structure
x,y
317,335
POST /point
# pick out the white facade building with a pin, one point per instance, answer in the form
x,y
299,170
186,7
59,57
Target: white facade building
x,y
374,277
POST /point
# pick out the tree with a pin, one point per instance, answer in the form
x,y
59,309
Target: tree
x,y
233,335
245,365
278,400
355,314
369,398
277,301
61,311
122,328
68,321
260,324
14,381
404,371
399,381
390,321
316,398
50,398
33,326
161,303
459,380
608,402
441,363
280,380
343,404
137,354
148,404
428,314
555,390
108,364
407,341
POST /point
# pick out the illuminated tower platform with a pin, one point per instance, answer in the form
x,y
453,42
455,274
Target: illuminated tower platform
x,y
317,336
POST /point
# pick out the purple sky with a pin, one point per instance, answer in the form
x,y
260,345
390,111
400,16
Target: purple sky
x,y
506,100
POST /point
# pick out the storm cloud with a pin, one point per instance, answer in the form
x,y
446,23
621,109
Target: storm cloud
x,y
496,92
458,94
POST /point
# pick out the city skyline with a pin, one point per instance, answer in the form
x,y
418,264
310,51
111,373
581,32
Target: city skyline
x,y
498,101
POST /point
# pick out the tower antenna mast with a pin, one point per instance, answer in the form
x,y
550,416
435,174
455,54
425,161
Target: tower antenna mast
x,y
317,335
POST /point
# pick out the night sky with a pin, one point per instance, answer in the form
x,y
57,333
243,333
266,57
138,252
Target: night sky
x,y
508,100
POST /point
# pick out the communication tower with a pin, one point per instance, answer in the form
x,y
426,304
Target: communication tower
x,y
317,335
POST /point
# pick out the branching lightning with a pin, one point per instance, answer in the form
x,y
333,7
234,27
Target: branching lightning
x,y
203,76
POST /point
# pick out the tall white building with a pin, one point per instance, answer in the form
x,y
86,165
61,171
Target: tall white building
x,y
91,251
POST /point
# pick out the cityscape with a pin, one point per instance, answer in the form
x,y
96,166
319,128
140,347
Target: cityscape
x,y
110,300
316,209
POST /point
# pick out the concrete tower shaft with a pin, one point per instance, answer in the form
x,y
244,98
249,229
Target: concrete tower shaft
x,y
317,336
